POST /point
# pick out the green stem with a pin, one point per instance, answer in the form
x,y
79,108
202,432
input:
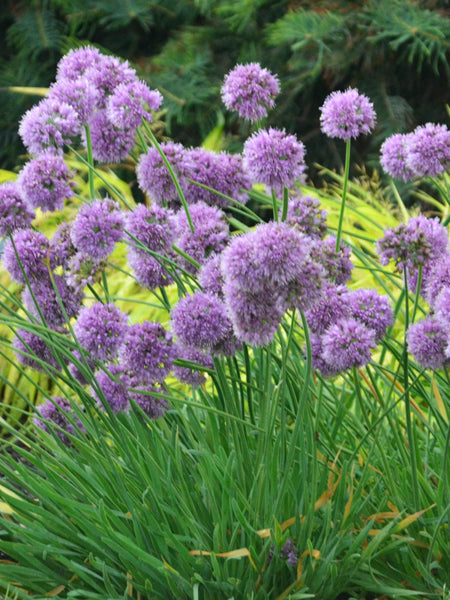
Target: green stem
x,y
90,162
275,206
172,174
285,203
412,453
344,193
416,299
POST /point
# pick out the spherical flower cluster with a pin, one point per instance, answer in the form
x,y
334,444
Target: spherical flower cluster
x,y
113,388
79,93
427,341
371,309
436,279
442,307
347,115
250,90
55,301
57,416
200,321
193,377
210,276
130,102
210,234
109,143
413,245
304,213
154,178
222,172
337,264
61,246
154,406
393,157
82,367
14,211
48,126
274,158
26,256
76,62
45,182
348,344
100,329
147,352
106,76
428,150
328,309
97,228
32,351
83,270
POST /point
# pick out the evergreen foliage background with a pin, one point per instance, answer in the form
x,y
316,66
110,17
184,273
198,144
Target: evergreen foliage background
x,y
395,51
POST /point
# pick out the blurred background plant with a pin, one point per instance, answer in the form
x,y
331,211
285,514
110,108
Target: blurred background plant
x,y
395,51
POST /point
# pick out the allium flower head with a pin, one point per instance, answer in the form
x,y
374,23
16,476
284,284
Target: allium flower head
x,y
328,309
305,215
210,235
318,361
393,155
82,373
427,342
347,115
200,321
107,75
338,266
97,228
109,143
59,412
414,244
14,211
152,226
45,182
100,329
61,246
210,276
130,102
347,344
442,307
48,126
147,352
428,150
83,270
113,385
274,158
31,248
437,278
79,93
144,396
54,305
148,270
154,178
250,90
76,62
372,309
192,377
31,350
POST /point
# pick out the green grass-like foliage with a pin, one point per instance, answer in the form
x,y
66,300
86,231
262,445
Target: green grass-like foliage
x,y
199,504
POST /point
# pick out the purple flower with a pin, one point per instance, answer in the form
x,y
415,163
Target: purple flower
x,y
393,155
442,307
347,115
255,316
200,321
306,287
31,351
210,276
210,233
148,271
48,126
144,396
106,76
61,246
250,90
318,361
57,415
415,244
193,377
97,228
154,178
222,172
289,552
347,344
82,373
31,248
428,150
338,266
371,309
130,102
45,182
305,215
113,385
76,62
100,329
437,278
14,211
52,303
147,352
83,270
79,93
274,158
328,309
427,342
109,143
